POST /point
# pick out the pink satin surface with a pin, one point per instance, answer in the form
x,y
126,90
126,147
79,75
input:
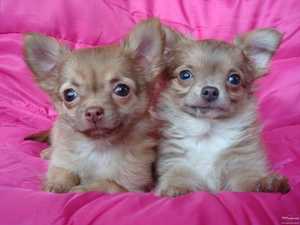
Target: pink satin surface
x,y
25,109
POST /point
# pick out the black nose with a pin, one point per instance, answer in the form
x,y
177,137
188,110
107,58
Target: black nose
x,y
210,93
94,114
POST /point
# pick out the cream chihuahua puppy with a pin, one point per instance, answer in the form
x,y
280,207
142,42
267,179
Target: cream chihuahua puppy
x,y
102,139
210,127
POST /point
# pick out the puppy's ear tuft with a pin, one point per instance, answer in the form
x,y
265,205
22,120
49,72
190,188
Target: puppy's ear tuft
x,y
173,37
43,55
259,46
146,44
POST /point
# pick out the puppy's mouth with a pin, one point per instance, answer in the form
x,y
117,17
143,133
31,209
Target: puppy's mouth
x,y
101,132
204,110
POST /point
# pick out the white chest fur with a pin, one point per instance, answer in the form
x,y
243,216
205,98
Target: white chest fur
x,y
200,142
96,160
88,159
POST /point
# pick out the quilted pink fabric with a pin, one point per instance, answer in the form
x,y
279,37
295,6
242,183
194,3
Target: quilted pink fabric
x,y
24,109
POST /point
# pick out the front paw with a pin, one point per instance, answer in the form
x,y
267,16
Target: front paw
x,y
274,183
173,191
79,189
55,188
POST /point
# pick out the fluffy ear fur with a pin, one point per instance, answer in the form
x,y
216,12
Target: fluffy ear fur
x,y
173,37
259,46
43,55
146,44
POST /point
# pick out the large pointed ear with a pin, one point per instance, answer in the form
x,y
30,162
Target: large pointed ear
x,y
43,55
146,44
259,46
173,37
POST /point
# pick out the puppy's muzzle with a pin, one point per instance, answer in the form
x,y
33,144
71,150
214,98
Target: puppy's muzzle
x,y
93,114
210,93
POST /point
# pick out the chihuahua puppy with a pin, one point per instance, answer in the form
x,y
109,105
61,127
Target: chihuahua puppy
x,y
210,130
102,139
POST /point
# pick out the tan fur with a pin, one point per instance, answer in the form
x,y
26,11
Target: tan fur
x,y
101,140
62,180
104,185
40,137
46,153
214,145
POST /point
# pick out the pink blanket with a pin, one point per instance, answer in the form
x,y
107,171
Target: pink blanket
x,y
25,109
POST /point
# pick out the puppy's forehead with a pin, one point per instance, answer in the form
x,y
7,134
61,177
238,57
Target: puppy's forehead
x,y
95,67
211,54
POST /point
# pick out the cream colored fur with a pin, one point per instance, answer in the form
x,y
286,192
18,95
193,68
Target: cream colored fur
x,y
213,146
115,153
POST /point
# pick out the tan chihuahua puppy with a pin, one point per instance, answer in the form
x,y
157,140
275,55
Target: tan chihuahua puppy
x,y
210,126
102,139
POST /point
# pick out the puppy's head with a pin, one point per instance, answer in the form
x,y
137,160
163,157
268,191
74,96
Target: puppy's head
x,y
212,78
103,90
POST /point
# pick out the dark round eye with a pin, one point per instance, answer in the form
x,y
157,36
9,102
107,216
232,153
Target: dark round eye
x,y
185,75
70,95
234,79
122,90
